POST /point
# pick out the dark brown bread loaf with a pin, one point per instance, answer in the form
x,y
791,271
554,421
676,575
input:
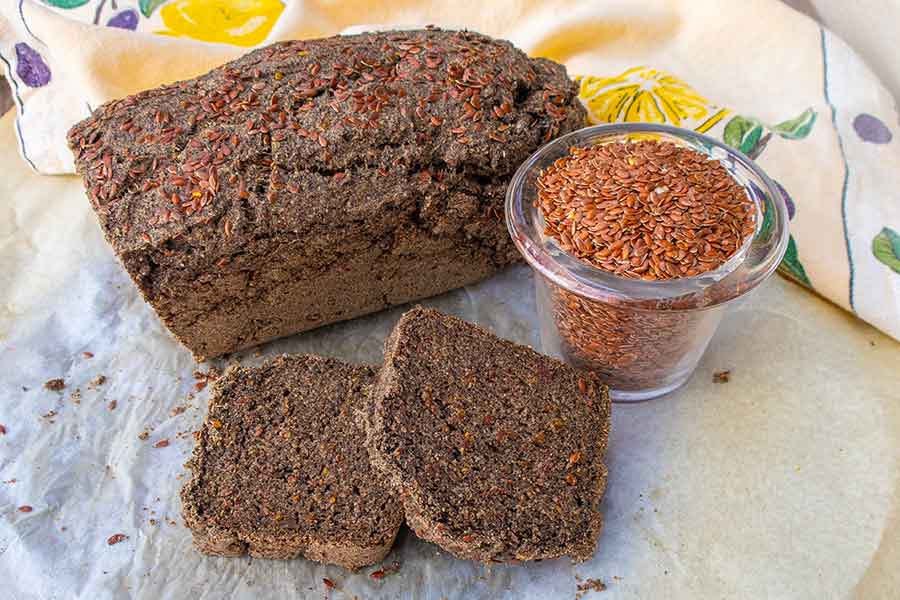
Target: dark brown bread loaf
x,y
496,451
279,469
313,181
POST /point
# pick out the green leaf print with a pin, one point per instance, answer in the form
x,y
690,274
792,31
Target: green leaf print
x,y
743,133
66,3
886,248
798,128
791,265
148,6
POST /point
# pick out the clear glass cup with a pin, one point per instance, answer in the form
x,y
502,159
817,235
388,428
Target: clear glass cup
x,y
644,337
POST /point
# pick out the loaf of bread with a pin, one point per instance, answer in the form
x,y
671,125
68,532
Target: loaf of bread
x,y
496,451
278,470
313,181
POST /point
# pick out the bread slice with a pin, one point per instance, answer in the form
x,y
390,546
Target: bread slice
x,y
280,471
495,450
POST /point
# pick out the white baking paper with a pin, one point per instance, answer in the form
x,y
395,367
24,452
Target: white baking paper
x,y
782,483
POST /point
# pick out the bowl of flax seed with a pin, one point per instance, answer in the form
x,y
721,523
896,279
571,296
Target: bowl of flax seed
x,y
640,236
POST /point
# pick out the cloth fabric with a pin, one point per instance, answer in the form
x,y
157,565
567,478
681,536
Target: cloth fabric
x,y
756,74
870,27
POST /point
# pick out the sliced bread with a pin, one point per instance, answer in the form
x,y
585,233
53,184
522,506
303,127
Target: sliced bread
x,y
495,450
279,469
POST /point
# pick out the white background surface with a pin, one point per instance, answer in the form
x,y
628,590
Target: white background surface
x,y
782,483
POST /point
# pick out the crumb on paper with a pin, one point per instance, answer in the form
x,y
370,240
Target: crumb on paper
x,y
25,508
384,571
75,396
55,385
203,379
143,435
50,416
112,405
589,585
722,376
178,410
2,429
161,443
87,354
116,538
97,382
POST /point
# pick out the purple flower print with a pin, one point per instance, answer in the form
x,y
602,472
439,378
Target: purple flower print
x,y
127,19
871,129
30,66
787,200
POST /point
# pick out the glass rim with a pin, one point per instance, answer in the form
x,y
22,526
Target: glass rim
x,y
743,271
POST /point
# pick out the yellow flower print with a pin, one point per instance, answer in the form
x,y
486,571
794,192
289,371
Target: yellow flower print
x,y
236,22
650,96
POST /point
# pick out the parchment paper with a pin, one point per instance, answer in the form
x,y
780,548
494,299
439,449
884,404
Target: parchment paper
x,y
782,483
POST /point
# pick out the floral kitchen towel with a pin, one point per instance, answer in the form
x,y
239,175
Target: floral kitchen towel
x,y
755,74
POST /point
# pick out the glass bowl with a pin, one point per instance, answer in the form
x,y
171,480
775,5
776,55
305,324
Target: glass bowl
x,y
644,337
